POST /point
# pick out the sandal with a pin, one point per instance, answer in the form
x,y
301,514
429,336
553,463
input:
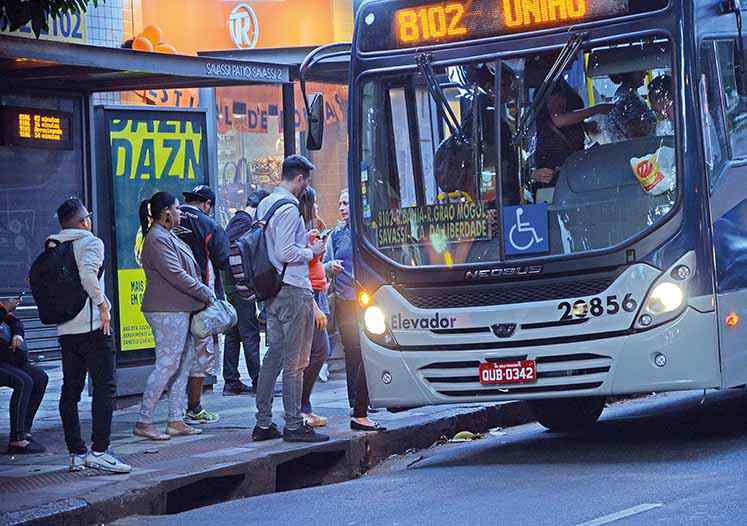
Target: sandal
x,y
150,432
182,431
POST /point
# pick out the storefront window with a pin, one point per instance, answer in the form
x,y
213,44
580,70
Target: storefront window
x,y
250,144
332,160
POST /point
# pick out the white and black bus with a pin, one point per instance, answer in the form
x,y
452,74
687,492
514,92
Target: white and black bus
x,y
548,200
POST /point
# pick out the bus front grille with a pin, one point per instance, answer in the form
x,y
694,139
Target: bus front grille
x,y
570,372
485,295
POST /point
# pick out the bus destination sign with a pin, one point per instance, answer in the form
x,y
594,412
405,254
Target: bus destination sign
x,y
413,24
36,128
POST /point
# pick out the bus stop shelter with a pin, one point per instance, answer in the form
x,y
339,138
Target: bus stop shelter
x,y
41,79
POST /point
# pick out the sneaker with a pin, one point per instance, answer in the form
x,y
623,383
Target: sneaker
x,y
32,448
106,462
305,433
202,416
236,389
78,462
261,434
324,373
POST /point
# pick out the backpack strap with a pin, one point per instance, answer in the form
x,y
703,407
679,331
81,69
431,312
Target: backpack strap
x,y
274,208
266,220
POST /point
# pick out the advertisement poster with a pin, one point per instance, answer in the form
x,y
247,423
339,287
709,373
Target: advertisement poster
x,y
150,151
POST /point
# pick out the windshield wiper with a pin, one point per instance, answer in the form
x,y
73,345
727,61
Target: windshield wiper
x,y
434,88
566,56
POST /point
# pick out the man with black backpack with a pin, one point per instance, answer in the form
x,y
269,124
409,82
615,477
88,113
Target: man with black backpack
x,y
290,306
241,296
85,338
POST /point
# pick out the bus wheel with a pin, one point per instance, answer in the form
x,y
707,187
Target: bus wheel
x,y
568,414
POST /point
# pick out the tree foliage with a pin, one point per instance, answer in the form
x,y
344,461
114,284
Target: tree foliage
x,y
19,12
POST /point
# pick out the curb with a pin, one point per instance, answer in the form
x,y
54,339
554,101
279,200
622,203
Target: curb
x,y
332,462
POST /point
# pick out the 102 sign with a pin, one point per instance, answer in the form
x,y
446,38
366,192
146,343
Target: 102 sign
x,y
597,307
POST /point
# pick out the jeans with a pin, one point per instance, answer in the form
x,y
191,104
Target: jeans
x,y
29,384
347,321
245,332
175,351
290,327
91,352
319,354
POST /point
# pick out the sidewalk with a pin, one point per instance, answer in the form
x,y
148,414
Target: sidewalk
x,y
220,464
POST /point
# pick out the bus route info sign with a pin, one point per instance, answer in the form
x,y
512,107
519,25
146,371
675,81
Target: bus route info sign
x,y
150,151
437,225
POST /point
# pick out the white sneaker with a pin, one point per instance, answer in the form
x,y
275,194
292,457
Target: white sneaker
x,y
77,462
324,373
106,462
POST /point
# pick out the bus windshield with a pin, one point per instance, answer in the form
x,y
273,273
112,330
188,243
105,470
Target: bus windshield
x,y
500,161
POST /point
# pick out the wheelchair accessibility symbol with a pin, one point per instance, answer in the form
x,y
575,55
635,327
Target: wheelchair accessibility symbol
x,y
525,229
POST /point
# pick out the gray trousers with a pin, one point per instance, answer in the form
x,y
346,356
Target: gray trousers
x,y
175,351
290,329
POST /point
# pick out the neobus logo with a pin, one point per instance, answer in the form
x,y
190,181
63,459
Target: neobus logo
x,y
505,272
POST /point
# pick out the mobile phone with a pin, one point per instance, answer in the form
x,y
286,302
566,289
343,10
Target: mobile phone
x,y
325,233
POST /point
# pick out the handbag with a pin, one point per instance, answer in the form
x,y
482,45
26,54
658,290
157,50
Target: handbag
x,y
214,319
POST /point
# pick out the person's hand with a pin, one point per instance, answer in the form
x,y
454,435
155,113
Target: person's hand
x,y
317,247
335,267
543,175
320,320
16,342
10,304
604,108
106,319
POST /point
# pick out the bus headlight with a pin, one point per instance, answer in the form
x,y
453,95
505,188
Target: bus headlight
x,y
667,299
374,320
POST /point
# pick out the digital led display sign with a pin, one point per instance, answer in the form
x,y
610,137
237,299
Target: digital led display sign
x,y
36,128
400,24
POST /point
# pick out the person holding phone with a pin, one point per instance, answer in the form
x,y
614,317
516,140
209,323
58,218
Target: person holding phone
x,y
28,382
338,264
320,340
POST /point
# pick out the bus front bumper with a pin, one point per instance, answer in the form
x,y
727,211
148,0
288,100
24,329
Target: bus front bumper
x,y
599,367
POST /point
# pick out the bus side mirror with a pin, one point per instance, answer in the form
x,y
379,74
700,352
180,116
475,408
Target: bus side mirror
x,y
315,116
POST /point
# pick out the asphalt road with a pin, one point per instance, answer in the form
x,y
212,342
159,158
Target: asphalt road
x,y
656,461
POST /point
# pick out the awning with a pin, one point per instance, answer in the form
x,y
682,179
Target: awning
x,y
28,64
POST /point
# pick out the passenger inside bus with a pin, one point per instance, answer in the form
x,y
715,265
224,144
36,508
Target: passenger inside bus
x,y
662,102
561,131
630,117
455,171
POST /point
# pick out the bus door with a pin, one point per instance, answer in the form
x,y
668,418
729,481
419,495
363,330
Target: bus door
x,y
724,114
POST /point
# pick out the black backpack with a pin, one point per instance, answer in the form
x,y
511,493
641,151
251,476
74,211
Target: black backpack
x,y
55,283
259,272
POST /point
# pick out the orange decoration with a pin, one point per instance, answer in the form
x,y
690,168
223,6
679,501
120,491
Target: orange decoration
x,y
152,33
163,47
142,44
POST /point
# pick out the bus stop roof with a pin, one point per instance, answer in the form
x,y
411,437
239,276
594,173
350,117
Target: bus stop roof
x,y
29,64
333,70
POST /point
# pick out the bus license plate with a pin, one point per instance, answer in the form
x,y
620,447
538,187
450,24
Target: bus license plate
x,y
501,373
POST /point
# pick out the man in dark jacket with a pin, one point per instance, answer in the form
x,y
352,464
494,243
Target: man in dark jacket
x,y
246,331
27,381
209,245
